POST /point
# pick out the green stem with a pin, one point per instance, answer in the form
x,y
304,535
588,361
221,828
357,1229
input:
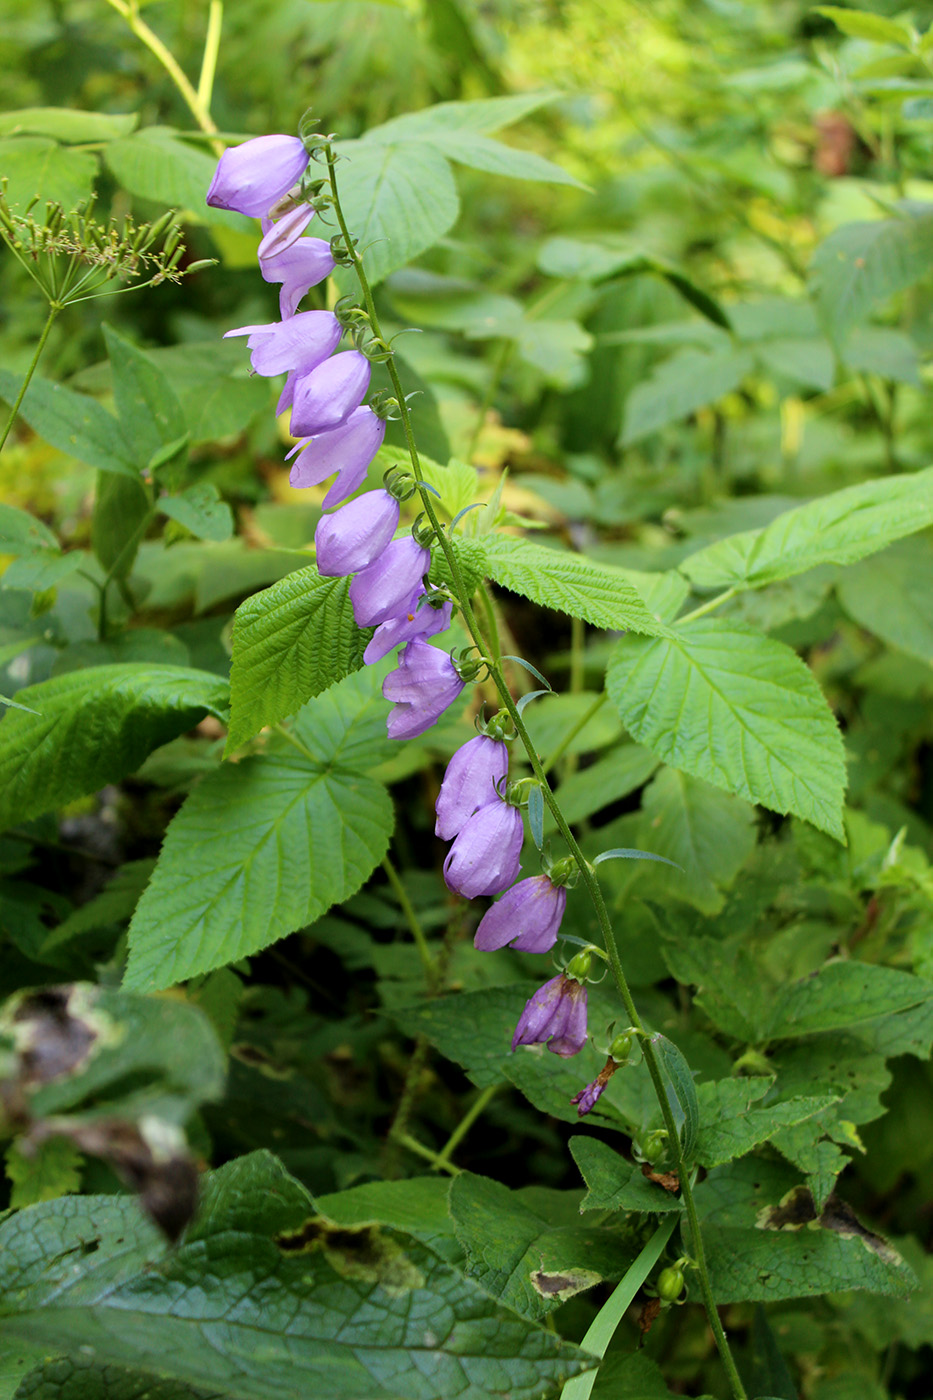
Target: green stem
x,y
708,607
587,872
477,1107
128,9
495,379
420,1150
289,737
561,748
414,924
215,19
54,309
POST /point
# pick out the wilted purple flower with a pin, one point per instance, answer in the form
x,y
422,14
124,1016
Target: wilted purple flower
x,y
588,1097
327,396
250,178
419,619
356,535
278,235
423,684
301,343
556,1014
527,916
471,781
307,262
347,450
484,857
383,590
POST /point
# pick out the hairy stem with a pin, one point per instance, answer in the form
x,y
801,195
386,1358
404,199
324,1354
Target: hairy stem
x,y
477,1107
414,925
54,308
587,873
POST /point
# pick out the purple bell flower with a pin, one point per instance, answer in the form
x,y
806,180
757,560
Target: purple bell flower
x,y
471,781
484,857
383,590
301,343
302,266
356,535
419,619
252,177
421,687
527,916
327,396
588,1098
347,450
555,1014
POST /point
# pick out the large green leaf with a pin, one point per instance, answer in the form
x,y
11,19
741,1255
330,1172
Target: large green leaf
x,y
155,164
555,578
481,117
689,380
615,1184
738,709
290,642
708,833
859,25
74,423
836,529
94,727
263,847
79,1377
36,165
66,124
730,1126
150,414
862,263
525,1252
890,596
264,1300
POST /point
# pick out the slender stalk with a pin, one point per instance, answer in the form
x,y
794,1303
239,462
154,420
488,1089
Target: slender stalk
x,y
419,1149
477,1107
708,607
587,872
290,738
561,748
54,308
129,11
492,386
215,19
414,924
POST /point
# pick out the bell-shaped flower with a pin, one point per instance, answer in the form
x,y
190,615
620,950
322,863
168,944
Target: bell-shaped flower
x,y
424,683
347,450
556,1014
472,780
356,534
327,396
527,916
250,178
301,343
484,857
302,266
587,1098
383,590
419,619
278,235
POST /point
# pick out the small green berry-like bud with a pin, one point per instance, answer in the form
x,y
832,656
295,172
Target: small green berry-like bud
x,y
579,966
621,1047
654,1146
670,1285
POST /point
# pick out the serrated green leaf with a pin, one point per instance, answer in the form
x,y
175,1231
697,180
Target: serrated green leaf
x,y
290,642
483,153
36,165
862,263
730,1126
417,1205
890,596
689,380
708,833
94,727
66,124
80,1377
614,1184
52,1169
571,583
201,511
858,24
149,412
837,529
398,199
264,847
326,1318
752,1262
524,1259
155,164
74,423
737,709
839,996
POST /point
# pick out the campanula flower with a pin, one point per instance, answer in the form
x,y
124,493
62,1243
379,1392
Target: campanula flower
x,y
347,450
301,343
527,916
325,398
302,266
423,684
252,177
383,589
356,534
471,781
587,1098
556,1014
419,619
484,856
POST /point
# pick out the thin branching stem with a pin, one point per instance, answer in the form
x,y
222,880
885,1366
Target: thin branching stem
x,y
54,308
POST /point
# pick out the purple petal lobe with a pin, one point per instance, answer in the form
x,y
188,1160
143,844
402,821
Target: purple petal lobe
x,y
284,232
423,684
347,450
419,619
383,590
528,916
471,781
355,535
300,343
484,857
327,396
556,1013
302,266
